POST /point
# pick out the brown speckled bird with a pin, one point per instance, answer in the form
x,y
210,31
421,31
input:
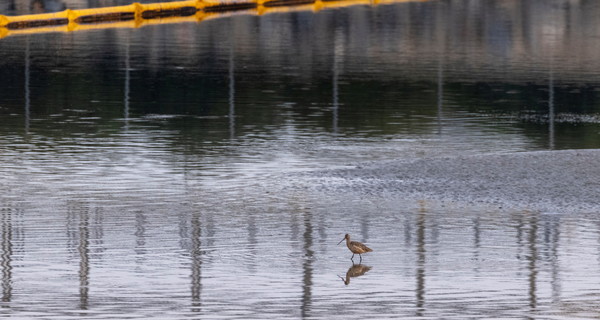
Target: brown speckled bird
x,y
356,247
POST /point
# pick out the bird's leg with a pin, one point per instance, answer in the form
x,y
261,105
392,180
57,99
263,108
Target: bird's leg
x,y
360,258
352,258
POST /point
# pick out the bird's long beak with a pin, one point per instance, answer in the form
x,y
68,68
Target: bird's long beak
x,y
341,240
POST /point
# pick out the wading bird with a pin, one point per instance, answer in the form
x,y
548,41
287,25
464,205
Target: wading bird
x,y
356,247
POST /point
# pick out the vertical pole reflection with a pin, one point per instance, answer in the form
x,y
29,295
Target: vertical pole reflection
x,y
307,267
7,253
294,230
84,259
338,48
440,93
520,225
421,251
364,225
551,238
253,241
477,240
27,83
532,246
196,256
140,237
552,38
231,91
97,233
441,31
551,110
407,232
127,83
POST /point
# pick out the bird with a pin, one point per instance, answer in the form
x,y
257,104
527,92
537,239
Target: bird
x,y
355,246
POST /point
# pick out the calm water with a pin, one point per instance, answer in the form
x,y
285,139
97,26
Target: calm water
x,y
152,172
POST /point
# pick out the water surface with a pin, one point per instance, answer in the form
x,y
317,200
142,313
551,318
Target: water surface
x,y
157,172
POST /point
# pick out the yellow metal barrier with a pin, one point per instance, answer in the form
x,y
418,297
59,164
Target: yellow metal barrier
x,y
105,14
35,20
136,14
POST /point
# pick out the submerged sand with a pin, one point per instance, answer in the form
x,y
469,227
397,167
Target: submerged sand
x,y
548,181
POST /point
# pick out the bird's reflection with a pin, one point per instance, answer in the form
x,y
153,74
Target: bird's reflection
x,y
356,270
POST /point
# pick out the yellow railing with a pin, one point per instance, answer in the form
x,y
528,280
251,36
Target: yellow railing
x,y
136,15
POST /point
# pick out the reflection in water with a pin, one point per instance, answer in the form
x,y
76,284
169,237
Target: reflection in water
x,y
477,241
294,231
551,131
364,229
307,268
231,115
527,250
338,60
551,240
441,44
404,66
532,258
196,263
126,91
253,241
97,234
440,95
84,257
356,270
520,225
79,235
7,253
421,253
551,37
140,237
27,84
412,74
408,225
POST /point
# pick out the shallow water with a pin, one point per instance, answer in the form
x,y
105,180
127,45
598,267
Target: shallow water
x,y
158,172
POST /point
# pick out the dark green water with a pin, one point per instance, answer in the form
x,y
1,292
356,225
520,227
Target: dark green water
x,y
151,172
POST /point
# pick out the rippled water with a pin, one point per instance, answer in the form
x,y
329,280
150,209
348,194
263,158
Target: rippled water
x,y
154,172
